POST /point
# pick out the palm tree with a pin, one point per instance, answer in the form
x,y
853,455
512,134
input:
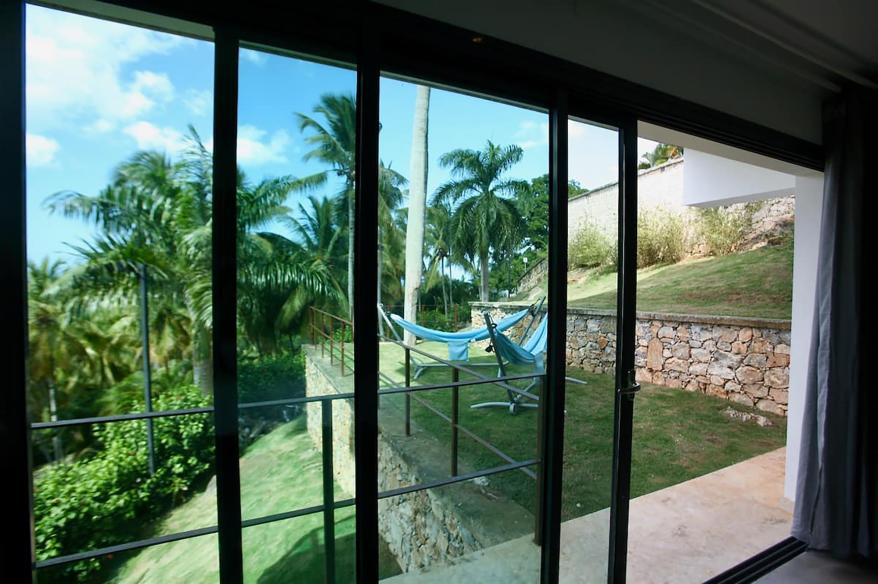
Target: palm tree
x,y
414,237
485,219
438,239
156,214
661,154
333,140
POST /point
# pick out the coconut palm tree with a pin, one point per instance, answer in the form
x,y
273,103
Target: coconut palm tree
x,y
332,136
438,239
417,204
661,154
485,217
156,215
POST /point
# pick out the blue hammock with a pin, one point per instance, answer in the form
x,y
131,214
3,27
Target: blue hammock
x,y
458,343
531,353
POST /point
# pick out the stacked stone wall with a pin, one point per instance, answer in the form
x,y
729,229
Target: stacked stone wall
x,y
744,360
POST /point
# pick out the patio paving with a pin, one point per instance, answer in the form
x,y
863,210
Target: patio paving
x,y
685,533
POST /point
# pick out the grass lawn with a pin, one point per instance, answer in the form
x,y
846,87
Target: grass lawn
x,y
677,435
279,472
755,283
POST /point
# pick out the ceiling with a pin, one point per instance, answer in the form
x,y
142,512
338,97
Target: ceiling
x,y
770,61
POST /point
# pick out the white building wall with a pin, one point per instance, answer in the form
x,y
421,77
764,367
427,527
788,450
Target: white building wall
x,y
661,186
713,180
809,211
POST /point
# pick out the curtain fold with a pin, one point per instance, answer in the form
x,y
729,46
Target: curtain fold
x,y
837,489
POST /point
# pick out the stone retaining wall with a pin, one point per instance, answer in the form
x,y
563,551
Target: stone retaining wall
x,y
741,359
420,528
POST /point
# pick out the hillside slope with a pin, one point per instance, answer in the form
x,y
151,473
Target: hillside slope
x,y
757,283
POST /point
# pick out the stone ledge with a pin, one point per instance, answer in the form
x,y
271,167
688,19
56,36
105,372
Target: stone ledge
x,y
747,321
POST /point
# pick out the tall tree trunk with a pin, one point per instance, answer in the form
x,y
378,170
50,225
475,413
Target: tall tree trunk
x,y
443,282
450,281
53,416
414,233
202,361
350,255
380,271
483,269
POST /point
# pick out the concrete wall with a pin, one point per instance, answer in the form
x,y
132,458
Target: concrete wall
x,y
424,527
655,48
661,186
809,212
713,180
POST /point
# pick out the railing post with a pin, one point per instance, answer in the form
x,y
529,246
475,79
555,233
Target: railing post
x,y
455,418
322,337
311,322
328,494
343,329
408,396
331,342
541,420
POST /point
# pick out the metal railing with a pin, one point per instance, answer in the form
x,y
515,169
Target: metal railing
x,y
322,328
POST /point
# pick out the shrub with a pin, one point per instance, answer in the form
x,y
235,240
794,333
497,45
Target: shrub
x,y
109,496
660,238
272,377
723,229
591,248
435,319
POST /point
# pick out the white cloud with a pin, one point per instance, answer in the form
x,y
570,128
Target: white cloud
x,y
74,70
200,103
151,137
255,57
531,134
253,150
40,150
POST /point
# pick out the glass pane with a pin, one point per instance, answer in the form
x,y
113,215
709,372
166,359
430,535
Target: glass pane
x,y
464,532
119,277
463,226
109,496
190,560
713,356
296,140
592,212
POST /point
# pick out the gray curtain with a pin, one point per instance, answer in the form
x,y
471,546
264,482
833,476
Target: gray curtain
x,y
837,491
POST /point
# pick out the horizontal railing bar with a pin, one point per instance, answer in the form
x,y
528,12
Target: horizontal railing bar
x,y
333,316
293,514
457,479
120,418
296,400
152,541
448,363
124,547
499,381
187,412
475,437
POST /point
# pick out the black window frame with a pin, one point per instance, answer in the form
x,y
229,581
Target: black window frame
x,y
375,38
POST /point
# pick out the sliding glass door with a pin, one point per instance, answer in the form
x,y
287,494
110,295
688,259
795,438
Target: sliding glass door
x,y
324,322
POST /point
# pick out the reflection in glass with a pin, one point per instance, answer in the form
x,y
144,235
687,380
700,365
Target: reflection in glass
x,y
592,212
119,288
460,228
296,153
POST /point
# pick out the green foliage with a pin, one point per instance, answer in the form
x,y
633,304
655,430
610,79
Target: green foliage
x,y
660,238
661,154
591,248
724,228
270,378
108,497
436,319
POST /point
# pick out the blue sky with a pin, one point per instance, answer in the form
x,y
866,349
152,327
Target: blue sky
x,y
97,92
